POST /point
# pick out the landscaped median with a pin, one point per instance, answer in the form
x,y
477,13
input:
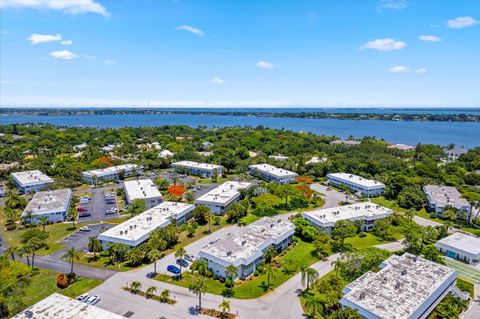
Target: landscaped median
x,y
284,267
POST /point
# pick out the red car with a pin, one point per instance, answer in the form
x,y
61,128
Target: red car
x,y
81,209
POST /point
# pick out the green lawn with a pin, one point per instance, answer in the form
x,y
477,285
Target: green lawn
x,y
256,287
465,271
250,218
368,241
43,284
465,285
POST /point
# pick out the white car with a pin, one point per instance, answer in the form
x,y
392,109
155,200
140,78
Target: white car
x,y
85,228
83,297
92,300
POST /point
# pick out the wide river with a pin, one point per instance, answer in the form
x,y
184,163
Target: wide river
x,y
442,133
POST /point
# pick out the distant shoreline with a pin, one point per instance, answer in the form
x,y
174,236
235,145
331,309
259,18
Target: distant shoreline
x,y
463,115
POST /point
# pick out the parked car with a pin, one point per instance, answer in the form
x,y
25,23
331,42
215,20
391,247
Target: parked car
x,y
83,297
173,269
85,228
111,211
151,275
182,262
190,258
84,214
92,300
81,209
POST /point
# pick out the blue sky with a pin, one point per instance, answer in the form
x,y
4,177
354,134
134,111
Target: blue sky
x,y
335,53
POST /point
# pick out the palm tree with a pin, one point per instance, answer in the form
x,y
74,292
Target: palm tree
x,y
43,220
180,253
225,306
208,217
11,251
151,290
72,214
309,275
270,273
94,246
135,286
165,295
199,287
153,255
27,218
269,254
231,273
201,266
24,251
336,266
313,306
71,255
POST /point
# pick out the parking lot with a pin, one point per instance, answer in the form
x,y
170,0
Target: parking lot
x,y
98,206
79,239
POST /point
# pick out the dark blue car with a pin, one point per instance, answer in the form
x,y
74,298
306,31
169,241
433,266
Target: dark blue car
x,y
173,269
182,262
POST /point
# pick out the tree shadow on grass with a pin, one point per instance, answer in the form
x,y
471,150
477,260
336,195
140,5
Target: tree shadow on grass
x,y
228,293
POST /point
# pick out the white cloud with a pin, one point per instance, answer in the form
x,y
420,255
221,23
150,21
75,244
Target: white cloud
x,y
191,29
217,80
462,22
108,61
64,55
399,69
36,38
66,42
265,65
65,6
393,4
421,71
387,44
430,38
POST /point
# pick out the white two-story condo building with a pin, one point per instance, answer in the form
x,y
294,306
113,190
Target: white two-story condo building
x,y
439,197
368,213
62,307
366,187
195,168
218,199
272,173
406,287
30,181
142,189
136,230
110,173
245,248
461,246
53,204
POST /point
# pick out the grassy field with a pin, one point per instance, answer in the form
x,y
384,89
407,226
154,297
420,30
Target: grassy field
x,y
43,284
368,241
298,255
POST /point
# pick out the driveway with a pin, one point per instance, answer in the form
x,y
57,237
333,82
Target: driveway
x,y
80,239
332,197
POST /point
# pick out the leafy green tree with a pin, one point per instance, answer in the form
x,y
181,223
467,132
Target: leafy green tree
x,y
200,266
201,214
225,306
344,229
269,254
313,305
135,286
137,206
72,214
43,220
165,295
151,291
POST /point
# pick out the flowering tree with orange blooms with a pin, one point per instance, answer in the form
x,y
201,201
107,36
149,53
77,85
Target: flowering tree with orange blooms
x,y
304,179
101,162
306,191
176,190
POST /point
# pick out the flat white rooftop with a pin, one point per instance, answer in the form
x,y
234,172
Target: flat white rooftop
x,y
49,201
445,195
141,189
143,224
31,178
364,210
250,240
463,242
273,170
57,306
190,164
400,287
355,179
401,147
111,170
224,193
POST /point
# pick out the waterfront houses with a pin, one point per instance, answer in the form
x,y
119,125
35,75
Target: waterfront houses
x,y
440,197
